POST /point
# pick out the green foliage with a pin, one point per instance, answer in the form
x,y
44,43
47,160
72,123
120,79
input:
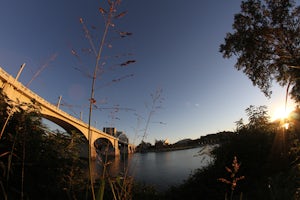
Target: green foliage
x,y
35,163
264,160
266,42
258,117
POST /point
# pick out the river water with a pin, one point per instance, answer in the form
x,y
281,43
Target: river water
x,y
161,169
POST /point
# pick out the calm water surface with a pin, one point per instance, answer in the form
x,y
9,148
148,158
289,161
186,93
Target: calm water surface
x,y
162,169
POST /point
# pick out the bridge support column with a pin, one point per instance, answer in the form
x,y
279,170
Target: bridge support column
x,y
93,153
117,150
129,149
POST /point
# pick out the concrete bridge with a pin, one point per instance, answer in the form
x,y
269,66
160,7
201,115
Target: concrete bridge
x,y
16,91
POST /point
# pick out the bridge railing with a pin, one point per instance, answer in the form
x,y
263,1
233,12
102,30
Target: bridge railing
x,y
31,95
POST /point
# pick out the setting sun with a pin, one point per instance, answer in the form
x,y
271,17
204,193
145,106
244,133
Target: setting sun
x,y
281,113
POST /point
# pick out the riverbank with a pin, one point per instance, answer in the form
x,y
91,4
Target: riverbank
x,y
174,148
168,149
163,145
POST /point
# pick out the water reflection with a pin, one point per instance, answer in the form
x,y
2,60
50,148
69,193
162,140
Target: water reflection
x,y
115,166
158,169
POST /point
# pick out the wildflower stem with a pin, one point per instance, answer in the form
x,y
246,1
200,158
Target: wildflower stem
x,y
92,100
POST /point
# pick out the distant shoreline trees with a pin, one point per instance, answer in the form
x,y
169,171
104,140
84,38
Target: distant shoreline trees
x,y
161,145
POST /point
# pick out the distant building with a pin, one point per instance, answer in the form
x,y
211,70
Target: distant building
x,y
118,134
123,137
166,142
110,130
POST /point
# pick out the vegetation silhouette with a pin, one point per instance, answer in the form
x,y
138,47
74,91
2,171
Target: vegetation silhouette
x,y
271,172
35,162
265,41
38,164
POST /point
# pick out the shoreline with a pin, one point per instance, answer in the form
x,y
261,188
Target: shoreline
x,y
169,149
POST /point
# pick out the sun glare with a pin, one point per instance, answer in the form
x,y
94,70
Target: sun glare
x,y
281,113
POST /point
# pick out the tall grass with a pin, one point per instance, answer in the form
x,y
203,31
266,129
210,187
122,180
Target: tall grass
x,y
109,15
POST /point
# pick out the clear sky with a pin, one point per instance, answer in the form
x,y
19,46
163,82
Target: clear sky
x,y
175,44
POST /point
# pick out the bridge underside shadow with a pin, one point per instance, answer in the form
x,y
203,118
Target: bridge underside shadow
x,y
66,126
84,146
104,147
99,145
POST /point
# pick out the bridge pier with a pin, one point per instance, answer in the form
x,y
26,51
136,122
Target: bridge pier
x,y
131,148
93,153
116,146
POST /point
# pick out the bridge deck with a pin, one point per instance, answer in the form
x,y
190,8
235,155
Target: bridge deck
x,y
17,91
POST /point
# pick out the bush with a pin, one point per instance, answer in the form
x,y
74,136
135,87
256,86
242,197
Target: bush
x,y
35,163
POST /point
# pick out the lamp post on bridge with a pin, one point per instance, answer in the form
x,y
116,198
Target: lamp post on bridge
x,y
58,102
20,71
11,112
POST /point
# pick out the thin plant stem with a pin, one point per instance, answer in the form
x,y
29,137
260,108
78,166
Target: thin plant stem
x,y
23,168
11,156
155,98
286,96
11,113
113,190
102,180
92,102
5,124
27,85
3,190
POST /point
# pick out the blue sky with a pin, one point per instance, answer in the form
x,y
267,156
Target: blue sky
x,y
175,44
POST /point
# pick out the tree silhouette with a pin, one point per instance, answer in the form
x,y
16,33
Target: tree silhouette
x,y
36,163
265,41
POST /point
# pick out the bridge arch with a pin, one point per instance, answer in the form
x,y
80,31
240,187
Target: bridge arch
x,y
63,124
16,91
70,127
104,147
123,138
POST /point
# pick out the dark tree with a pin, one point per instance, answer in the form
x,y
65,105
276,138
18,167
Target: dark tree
x,y
266,42
36,163
258,117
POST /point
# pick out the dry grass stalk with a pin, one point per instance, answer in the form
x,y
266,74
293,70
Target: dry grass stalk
x,y
233,175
